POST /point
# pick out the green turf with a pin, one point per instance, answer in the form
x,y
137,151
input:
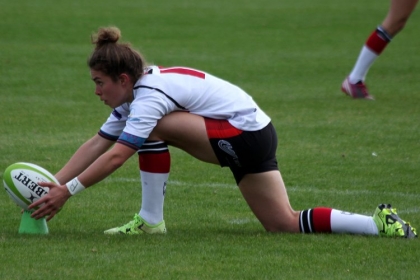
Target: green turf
x,y
291,57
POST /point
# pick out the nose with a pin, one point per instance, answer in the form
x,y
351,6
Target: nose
x,y
97,90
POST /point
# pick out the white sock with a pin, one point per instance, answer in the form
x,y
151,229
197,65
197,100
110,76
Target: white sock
x,y
345,222
365,60
154,163
153,196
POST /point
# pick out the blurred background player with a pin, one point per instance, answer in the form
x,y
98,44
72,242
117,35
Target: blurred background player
x,y
398,14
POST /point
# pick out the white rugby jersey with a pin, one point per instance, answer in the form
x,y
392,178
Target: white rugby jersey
x,y
164,90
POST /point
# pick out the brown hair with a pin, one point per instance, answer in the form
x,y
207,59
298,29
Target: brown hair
x,y
113,58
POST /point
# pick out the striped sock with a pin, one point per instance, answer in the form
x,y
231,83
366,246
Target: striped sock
x,y
154,164
315,220
378,40
327,220
374,46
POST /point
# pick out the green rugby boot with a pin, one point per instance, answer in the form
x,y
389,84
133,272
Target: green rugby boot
x,y
390,224
138,226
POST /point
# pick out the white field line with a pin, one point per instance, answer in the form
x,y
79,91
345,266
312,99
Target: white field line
x,y
296,189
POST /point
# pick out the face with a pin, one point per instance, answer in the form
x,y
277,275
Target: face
x,y
112,93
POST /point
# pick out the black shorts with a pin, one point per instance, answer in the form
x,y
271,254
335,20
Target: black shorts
x,y
243,151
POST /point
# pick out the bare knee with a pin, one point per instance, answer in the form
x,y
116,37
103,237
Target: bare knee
x,y
286,223
267,197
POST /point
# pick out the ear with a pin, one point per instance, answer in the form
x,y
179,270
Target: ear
x,y
125,79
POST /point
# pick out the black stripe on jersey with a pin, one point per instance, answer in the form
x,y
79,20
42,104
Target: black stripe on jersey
x,y
107,136
153,147
116,114
161,91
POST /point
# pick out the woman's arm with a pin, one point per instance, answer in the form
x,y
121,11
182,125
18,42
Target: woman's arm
x,y
83,157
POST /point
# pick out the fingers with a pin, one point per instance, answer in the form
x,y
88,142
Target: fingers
x,y
43,199
48,209
43,211
50,204
47,184
38,202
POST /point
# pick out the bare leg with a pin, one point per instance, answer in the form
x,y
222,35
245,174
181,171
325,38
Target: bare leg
x,y
265,192
266,195
398,15
180,129
186,132
394,22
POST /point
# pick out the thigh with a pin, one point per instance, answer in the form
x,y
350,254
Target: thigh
x,y
267,197
187,132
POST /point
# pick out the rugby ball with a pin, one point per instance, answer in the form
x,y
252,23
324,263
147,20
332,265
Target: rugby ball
x,y
21,183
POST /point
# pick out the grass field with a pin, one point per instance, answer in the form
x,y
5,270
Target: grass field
x,y
291,57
